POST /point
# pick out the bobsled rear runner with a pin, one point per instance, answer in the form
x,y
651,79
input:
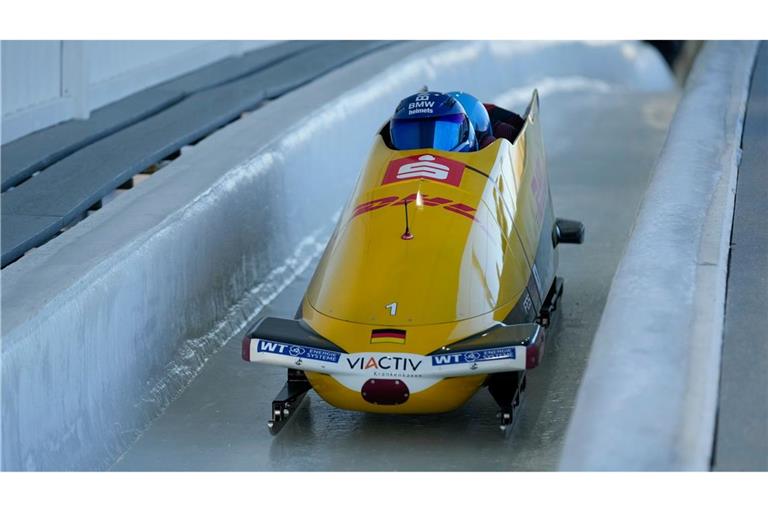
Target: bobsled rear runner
x,y
440,278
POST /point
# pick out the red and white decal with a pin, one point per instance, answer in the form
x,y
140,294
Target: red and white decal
x,y
428,167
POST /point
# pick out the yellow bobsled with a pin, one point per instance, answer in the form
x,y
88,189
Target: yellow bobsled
x,y
440,278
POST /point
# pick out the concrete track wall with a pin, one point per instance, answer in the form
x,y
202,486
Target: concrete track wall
x,y
648,400
106,324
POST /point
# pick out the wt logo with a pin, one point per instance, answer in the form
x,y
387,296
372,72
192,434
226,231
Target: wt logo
x,y
446,359
271,346
424,166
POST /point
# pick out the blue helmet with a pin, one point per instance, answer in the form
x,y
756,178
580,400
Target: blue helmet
x,y
432,120
476,111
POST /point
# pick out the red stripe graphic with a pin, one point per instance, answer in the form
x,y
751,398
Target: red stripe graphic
x,y
388,334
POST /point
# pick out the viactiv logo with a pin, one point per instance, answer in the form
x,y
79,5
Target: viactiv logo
x,y
384,362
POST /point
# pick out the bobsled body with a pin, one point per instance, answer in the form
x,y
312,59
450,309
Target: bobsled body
x,y
411,315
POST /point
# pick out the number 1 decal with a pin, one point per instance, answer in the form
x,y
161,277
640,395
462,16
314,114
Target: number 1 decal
x,y
392,308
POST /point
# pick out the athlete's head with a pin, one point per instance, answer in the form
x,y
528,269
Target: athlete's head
x,y
432,120
478,115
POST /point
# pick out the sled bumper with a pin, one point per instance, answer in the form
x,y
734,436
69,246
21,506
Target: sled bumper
x,y
289,344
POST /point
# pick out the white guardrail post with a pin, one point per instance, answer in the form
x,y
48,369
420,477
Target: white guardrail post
x,y
648,398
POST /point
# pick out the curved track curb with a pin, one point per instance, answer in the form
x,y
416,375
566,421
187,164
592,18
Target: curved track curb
x,y
649,395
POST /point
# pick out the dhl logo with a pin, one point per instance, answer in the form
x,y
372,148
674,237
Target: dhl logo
x,y
448,204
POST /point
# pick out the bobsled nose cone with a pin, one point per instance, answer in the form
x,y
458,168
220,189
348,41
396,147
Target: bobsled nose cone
x,y
385,391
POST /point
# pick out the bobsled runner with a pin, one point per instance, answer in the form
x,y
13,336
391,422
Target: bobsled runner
x,y
440,278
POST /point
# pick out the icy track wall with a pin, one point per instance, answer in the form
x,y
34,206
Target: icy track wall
x,y
648,399
106,324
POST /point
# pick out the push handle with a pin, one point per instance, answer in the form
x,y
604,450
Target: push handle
x,y
567,232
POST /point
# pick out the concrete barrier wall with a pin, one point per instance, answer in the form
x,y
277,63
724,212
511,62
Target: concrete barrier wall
x,y
649,395
106,324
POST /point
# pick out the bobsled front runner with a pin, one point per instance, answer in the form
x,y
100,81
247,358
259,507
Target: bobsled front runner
x,y
439,278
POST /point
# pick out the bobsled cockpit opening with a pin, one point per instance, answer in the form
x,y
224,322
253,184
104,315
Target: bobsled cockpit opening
x,y
384,132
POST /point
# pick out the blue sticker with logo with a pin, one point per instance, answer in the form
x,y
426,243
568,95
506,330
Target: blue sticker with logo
x,y
290,350
474,356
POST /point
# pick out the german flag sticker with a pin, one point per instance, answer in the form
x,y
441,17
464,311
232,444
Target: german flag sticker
x,y
387,336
